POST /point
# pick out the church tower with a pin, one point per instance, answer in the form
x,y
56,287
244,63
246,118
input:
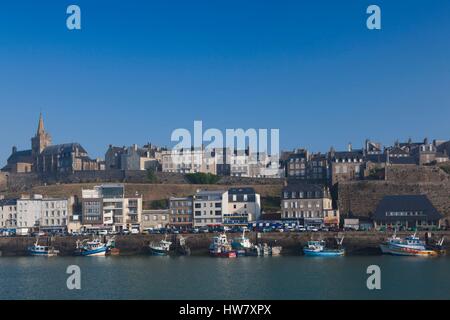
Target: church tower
x,y
41,140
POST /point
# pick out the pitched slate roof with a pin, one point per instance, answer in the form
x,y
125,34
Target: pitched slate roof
x,y
20,157
240,192
412,207
344,155
315,190
8,202
402,160
376,158
63,148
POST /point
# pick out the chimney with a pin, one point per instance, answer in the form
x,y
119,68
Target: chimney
x,y
350,147
14,150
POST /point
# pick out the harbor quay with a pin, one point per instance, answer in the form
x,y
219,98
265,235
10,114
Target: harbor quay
x,y
356,242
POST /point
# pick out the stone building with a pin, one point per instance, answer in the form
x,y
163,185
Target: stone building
x,y
19,162
309,204
302,165
189,160
47,158
346,165
155,219
133,158
113,157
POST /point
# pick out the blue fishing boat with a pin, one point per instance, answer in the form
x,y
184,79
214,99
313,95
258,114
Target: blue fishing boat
x,y
43,251
241,243
318,249
93,248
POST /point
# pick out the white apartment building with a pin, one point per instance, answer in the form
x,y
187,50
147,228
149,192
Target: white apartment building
x,y
36,212
244,206
55,213
209,208
106,207
189,161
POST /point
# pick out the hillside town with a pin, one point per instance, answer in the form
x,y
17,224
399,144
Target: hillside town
x,y
308,199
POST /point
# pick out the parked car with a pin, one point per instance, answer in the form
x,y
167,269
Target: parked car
x,y
204,230
38,234
103,232
126,232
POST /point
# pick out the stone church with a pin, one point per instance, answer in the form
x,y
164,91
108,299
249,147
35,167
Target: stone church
x,y
47,158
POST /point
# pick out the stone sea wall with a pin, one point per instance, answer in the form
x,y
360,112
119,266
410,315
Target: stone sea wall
x,y
355,242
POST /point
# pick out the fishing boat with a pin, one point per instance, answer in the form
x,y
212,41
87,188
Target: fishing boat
x,y
264,250
241,242
409,246
160,248
92,248
43,251
318,249
221,248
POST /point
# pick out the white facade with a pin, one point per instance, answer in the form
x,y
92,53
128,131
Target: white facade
x,y
244,206
189,161
55,213
209,207
27,213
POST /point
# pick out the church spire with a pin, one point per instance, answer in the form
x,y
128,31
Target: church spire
x,y
41,129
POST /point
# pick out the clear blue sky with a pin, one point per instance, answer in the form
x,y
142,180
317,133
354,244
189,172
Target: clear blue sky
x,y
139,69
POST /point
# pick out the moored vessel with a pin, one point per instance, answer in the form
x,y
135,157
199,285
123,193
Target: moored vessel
x,y
221,248
161,248
409,246
91,248
43,251
241,243
319,249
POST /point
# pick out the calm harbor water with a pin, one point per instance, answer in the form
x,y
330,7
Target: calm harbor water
x,y
147,277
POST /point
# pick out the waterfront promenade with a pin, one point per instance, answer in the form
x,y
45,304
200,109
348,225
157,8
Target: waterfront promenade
x,y
355,242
